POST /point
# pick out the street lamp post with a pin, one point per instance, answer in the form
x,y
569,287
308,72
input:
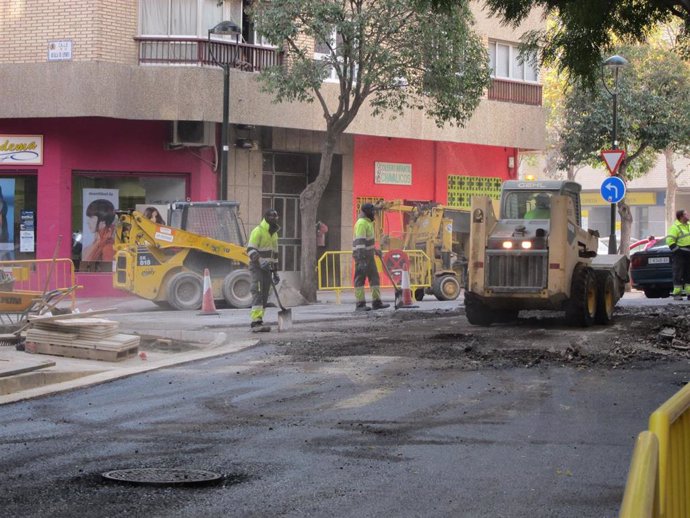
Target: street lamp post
x,y
224,28
615,63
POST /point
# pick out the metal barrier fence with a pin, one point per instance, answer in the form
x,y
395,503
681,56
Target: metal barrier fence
x,y
336,271
659,476
41,275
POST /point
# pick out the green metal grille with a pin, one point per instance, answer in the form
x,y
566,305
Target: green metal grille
x,y
462,188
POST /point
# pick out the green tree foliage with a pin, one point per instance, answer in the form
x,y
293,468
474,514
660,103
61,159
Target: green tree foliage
x,y
386,55
653,108
586,29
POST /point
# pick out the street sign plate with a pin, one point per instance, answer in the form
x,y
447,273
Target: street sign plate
x,y
613,189
613,158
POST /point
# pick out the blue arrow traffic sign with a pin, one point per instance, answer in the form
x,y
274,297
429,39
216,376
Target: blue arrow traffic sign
x,y
613,189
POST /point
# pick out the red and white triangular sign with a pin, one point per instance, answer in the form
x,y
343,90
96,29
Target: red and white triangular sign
x,y
613,158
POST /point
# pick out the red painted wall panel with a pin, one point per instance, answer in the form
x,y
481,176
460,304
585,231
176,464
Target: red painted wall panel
x,y
431,162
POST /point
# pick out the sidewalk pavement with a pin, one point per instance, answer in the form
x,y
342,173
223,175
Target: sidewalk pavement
x,y
171,338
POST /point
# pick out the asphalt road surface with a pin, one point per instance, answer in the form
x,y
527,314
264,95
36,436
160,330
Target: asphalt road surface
x,y
315,424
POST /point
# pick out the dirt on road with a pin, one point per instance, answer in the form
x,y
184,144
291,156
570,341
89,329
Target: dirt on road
x,y
635,337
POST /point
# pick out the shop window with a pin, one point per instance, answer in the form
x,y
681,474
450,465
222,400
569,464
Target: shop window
x,y
18,217
96,197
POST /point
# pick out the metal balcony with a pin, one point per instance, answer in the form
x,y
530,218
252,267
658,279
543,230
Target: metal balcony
x,y
199,51
515,92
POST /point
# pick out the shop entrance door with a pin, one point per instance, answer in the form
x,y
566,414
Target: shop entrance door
x,y
285,176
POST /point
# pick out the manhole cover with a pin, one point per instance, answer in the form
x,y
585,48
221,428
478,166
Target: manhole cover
x,y
162,476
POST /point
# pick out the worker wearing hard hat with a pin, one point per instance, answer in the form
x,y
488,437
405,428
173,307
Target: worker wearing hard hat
x,y
364,253
262,249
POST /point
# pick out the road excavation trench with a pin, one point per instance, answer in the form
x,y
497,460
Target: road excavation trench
x,y
635,336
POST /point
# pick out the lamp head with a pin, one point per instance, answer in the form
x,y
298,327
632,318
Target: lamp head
x,y
615,62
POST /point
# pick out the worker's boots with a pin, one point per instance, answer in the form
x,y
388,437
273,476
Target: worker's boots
x,y
362,306
258,327
377,304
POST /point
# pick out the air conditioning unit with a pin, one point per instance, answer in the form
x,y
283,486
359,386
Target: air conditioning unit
x,y
192,134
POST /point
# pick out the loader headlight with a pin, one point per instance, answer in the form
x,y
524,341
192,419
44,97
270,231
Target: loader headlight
x,y
507,245
526,245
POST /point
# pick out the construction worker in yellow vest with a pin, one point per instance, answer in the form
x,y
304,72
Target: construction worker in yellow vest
x,y
678,240
364,253
541,210
262,249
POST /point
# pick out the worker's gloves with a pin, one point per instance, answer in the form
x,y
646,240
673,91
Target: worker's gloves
x,y
276,278
265,265
379,253
674,248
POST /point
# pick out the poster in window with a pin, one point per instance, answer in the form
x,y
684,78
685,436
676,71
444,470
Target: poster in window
x,y
156,213
98,229
27,237
7,218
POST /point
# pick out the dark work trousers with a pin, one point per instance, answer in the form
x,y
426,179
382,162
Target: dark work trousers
x,y
259,288
681,268
366,269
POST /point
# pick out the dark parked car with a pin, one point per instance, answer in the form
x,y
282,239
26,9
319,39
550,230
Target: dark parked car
x,y
650,270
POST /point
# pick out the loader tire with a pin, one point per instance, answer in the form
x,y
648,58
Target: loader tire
x,y
236,290
582,307
185,291
477,313
605,299
446,287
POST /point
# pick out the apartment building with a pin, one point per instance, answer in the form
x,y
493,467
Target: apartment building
x,y
119,105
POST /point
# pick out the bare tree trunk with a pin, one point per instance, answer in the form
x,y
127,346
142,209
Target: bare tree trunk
x,y
571,173
626,226
671,186
309,204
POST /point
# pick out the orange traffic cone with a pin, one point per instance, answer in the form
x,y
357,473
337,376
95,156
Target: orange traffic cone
x,y
406,291
208,306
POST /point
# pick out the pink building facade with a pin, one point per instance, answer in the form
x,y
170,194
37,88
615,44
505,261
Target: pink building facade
x,y
127,157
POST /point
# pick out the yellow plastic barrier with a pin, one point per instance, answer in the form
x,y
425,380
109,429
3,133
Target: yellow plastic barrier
x,y
671,424
336,271
641,488
39,275
659,475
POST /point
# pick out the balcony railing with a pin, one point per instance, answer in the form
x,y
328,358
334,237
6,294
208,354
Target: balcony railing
x,y
515,92
199,51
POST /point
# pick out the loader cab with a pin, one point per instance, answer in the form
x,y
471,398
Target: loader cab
x,y
522,200
215,219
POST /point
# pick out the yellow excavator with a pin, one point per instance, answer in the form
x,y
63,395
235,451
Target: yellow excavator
x,y
432,229
165,264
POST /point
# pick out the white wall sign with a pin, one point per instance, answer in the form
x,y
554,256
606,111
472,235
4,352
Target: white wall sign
x,y
396,174
21,149
60,50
